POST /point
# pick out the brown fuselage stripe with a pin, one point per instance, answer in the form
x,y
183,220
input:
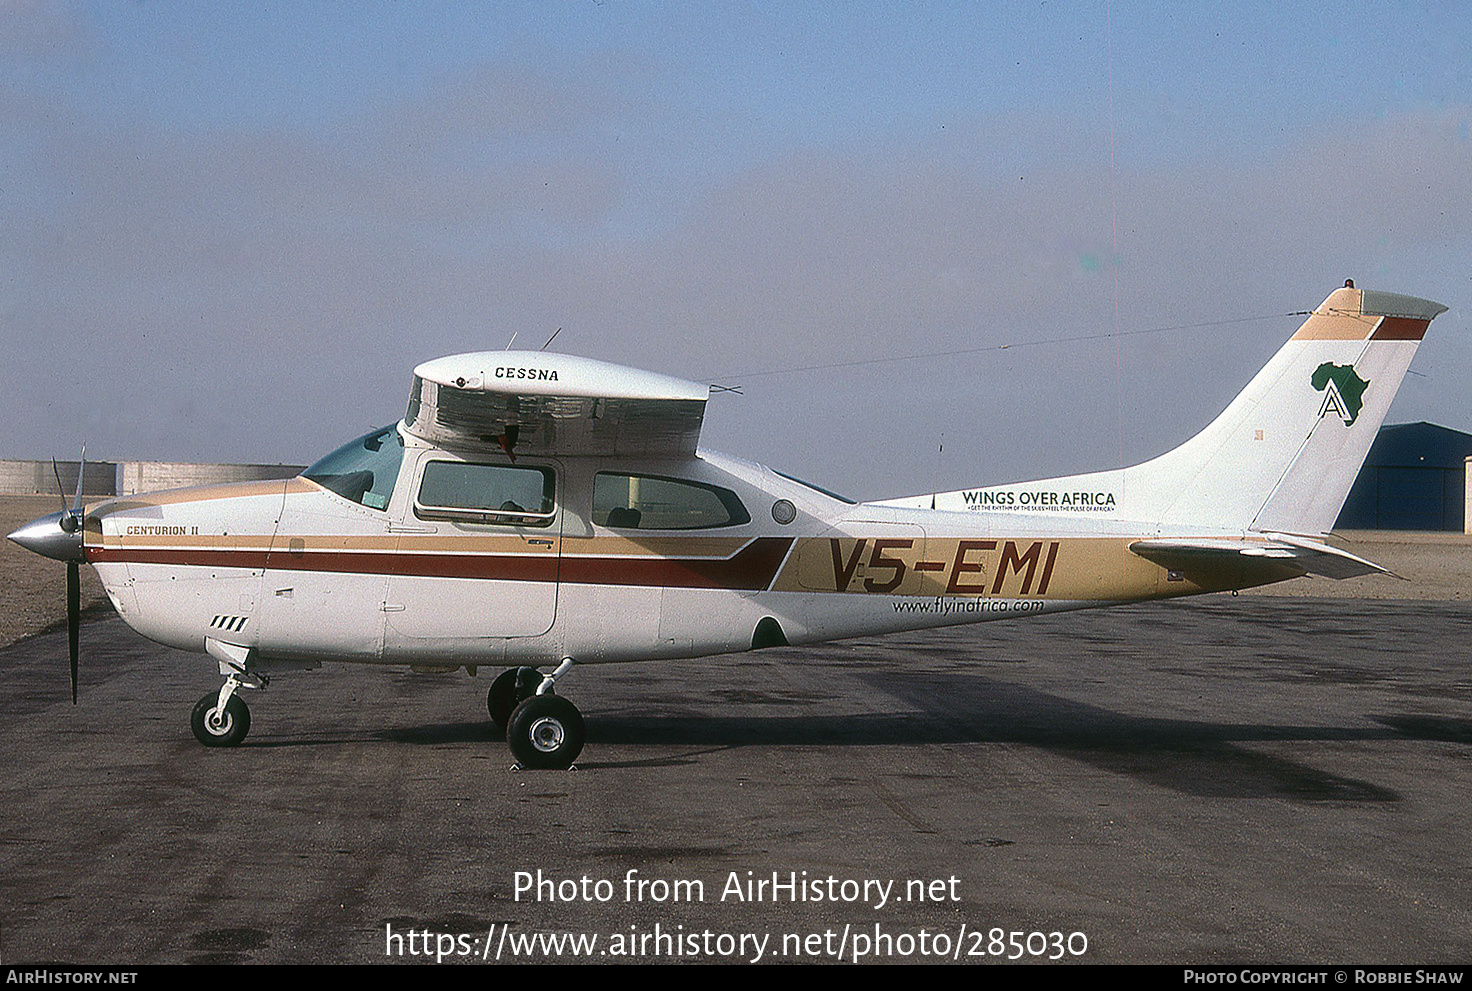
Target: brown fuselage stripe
x,y
752,569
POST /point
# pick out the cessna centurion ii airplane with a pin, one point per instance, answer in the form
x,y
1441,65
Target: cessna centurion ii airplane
x,y
536,510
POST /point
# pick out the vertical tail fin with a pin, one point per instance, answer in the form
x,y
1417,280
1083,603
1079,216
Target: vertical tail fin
x,y
1282,456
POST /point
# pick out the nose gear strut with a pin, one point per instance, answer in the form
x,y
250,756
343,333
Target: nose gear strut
x,y
222,719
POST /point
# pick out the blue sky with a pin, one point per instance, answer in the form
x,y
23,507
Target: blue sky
x,y
234,229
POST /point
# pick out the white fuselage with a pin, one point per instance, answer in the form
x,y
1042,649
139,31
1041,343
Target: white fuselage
x,y
296,571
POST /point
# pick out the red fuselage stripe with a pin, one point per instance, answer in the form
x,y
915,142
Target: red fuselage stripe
x,y
1400,329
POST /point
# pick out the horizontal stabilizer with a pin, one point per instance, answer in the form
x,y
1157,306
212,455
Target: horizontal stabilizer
x,y
1310,556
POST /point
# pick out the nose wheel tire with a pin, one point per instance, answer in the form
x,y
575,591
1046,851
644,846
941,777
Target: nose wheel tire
x,y
546,731
511,687
220,729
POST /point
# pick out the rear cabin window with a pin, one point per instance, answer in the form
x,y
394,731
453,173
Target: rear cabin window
x,y
486,493
653,502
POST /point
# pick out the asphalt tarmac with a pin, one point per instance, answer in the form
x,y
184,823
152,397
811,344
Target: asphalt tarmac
x,y
1223,780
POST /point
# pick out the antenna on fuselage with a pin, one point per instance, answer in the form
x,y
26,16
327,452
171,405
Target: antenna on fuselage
x,y
550,339
935,482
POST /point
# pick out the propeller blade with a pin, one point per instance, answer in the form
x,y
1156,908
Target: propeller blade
x,y
73,616
81,470
60,489
71,519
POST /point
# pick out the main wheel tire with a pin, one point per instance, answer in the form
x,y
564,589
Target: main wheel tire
x,y
511,687
223,731
546,731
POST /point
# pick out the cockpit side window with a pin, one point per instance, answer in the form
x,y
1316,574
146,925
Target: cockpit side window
x,y
654,502
516,495
363,471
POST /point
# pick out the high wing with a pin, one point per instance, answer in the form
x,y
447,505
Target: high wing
x,y
1310,557
536,402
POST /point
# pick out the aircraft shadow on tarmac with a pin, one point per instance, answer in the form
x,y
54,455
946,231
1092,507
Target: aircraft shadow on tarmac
x,y
1191,756
1197,757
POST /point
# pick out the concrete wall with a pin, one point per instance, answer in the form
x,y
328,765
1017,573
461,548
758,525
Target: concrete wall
x,y
151,476
38,478
106,478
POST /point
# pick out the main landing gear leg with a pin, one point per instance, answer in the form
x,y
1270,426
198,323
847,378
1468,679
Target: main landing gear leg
x,y
221,719
546,730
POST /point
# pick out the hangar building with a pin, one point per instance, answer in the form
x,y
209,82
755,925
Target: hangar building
x,y
1414,478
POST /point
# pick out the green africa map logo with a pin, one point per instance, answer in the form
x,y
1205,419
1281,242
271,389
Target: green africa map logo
x,y
1342,388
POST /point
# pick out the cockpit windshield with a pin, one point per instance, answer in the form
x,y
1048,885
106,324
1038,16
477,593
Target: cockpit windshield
x,y
363,471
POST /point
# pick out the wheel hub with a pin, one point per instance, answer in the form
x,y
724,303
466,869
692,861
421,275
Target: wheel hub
x,y
218,722
546,734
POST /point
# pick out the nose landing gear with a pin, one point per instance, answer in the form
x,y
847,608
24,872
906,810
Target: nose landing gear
x,y
216,727
221,719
